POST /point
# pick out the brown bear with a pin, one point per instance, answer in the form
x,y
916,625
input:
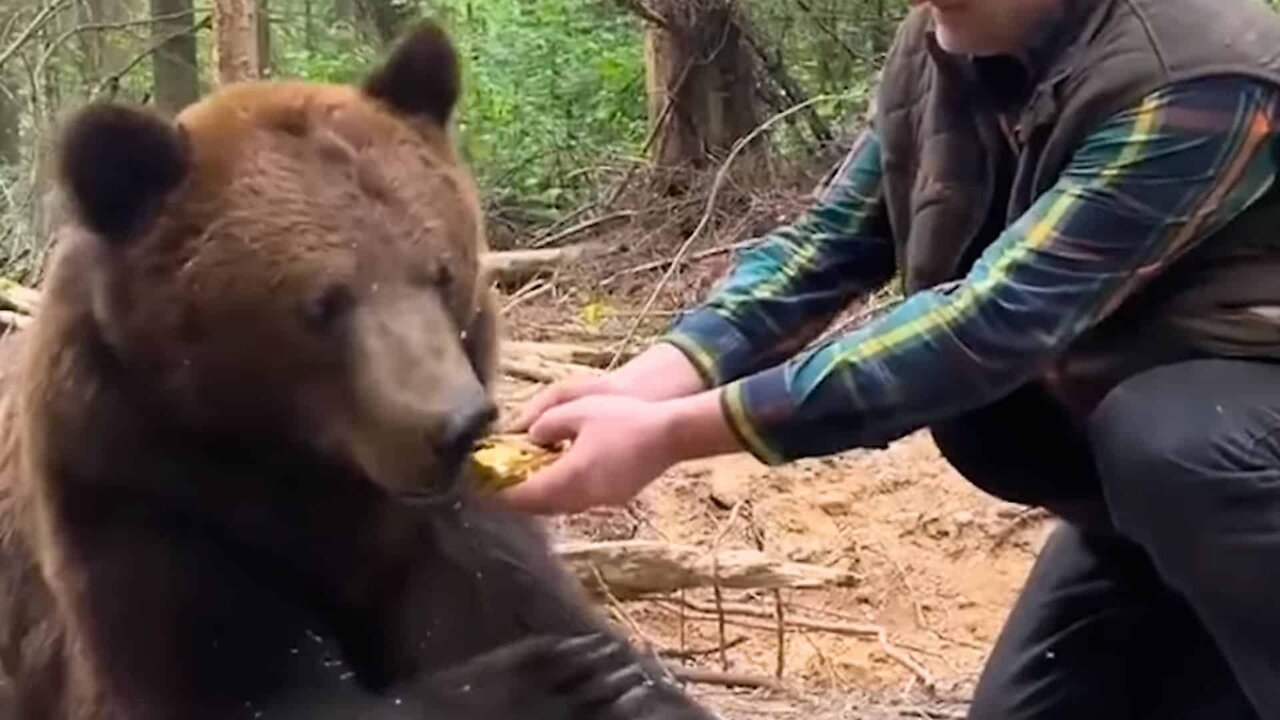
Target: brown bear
x,y
232,438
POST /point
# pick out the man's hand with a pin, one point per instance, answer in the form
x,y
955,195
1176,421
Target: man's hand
x,y
618,446
660,373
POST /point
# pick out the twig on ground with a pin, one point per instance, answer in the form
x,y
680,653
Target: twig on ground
x,y
715,574
866,630
857,630
912,596
700,255
908,662
1019,521
528,291
581,227
782,634
929,714
712,677
541,371
621,610
689,654
833,675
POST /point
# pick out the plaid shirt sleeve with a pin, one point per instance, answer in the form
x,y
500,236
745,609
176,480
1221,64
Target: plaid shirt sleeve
x,y
787,288
1137,194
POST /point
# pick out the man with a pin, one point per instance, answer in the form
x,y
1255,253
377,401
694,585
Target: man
x,y
1080,198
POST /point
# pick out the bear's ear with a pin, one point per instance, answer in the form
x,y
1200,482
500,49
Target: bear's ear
x,y
118,163
421,77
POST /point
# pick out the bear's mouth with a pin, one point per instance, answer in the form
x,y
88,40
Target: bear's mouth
x,y
447,487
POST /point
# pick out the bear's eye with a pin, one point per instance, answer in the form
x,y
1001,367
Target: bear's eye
x,y
327,307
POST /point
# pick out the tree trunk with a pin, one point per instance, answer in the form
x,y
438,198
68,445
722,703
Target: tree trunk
x,y
10,137
175,67
236,41
264,39
880,34
701,77
10,101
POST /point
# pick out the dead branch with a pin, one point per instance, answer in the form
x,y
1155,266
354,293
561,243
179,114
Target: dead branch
x,y
42,18
825,30
621,611
112,82
745,610
637,568
700,255
879,633
585,225
690,654
1024,518
512,267
712,677
566,353
541,371
529,291
931,714
718,589
99,26
771,60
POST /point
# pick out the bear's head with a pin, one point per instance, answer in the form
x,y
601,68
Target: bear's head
x,y
297,261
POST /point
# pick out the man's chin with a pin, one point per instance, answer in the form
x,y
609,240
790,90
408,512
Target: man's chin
x,y
958,43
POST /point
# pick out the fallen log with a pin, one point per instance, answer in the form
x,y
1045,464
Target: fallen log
x,y
513,267
636,568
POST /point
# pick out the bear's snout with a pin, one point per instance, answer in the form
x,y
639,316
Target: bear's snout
x,y
464,425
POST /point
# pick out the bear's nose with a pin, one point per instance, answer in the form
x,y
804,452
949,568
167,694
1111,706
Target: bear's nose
x,y
464,426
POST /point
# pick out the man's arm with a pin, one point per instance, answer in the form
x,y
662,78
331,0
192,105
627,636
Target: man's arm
x,y
1138,193
784,291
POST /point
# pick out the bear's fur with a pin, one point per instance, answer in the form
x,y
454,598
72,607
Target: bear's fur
x,y
231,441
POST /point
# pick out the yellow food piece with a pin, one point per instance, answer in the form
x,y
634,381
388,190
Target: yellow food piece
x,y
501,461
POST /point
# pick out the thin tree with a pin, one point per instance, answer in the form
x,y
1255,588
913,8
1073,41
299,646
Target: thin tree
x,y
236,41
175,66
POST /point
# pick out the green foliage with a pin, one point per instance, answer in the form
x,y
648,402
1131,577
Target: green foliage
x,y
329,50
554,100
553,87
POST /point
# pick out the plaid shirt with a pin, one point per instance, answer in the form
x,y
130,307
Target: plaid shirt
x,y
1138,193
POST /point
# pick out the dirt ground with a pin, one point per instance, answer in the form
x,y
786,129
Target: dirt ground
x,y
938,562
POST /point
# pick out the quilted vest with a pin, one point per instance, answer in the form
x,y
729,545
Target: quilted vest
x,y
954,177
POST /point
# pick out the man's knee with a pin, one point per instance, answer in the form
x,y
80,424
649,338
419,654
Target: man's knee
x,y
1166,450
